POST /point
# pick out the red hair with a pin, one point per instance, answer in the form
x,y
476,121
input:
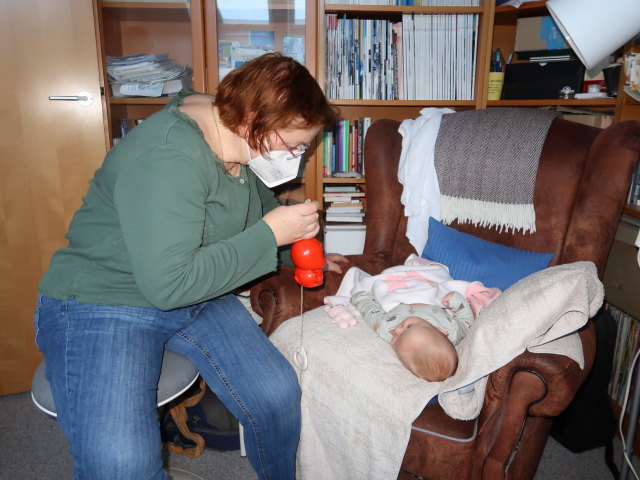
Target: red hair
x,y
269,93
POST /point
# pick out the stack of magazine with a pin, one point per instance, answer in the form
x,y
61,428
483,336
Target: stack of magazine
x,y
411,3
627,344
422,57
147,75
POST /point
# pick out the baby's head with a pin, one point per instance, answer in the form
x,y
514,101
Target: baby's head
x,y
424,349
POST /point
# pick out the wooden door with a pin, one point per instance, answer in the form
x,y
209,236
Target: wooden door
x,y
48,152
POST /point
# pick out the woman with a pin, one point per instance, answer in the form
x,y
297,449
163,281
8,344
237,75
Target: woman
x,y
174,220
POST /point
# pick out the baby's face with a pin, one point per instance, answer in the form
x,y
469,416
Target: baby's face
x,y
413,327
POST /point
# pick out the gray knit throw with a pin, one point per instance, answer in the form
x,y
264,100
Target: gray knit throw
x,y
486,162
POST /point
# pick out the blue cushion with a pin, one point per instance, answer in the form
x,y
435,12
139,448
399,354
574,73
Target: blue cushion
x,y
471,258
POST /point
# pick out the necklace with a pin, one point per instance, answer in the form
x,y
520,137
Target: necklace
x,y
227,171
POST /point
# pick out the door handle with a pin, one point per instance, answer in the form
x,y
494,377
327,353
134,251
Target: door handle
x,y
84,98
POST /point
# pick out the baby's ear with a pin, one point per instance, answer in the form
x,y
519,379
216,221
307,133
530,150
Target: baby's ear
x,y
444,332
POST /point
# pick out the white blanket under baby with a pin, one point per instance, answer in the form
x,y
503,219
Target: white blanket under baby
x,y
358,401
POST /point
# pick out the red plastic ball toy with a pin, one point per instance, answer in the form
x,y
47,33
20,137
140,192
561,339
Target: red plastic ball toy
x,y
308,258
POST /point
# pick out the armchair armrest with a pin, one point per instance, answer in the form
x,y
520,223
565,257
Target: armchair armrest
x,y
520,401
524,396
276,298
561,375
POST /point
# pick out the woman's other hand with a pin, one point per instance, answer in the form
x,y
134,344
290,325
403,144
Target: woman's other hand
x,y
294,222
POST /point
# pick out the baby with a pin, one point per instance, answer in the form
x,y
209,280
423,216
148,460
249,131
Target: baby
x,y
423,336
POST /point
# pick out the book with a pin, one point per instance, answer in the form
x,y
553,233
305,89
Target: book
x,y
530,55
339,197
339,210
351,203
552,58
335,216
342,195
341,188
125,126
345,207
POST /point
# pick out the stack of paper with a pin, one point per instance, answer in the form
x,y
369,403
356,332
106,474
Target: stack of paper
x,y
143,75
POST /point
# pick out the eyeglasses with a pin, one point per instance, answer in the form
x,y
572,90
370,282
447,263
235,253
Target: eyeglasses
x,y
295,152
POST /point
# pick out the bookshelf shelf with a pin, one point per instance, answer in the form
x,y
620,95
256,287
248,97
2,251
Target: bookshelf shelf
x,y
373,10
632,210
403,103
631,101
529,8
148,5
574,102
343,180
139,100
252,7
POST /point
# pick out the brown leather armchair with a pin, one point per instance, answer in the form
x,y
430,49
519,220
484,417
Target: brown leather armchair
x,y
581,188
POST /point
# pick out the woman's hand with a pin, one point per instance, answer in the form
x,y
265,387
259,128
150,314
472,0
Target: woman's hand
x,y
333,262
294,222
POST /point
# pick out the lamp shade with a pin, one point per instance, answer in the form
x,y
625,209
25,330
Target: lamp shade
x,y
596,28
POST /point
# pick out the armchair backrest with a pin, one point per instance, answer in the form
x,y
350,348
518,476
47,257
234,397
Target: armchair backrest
x,y
581,188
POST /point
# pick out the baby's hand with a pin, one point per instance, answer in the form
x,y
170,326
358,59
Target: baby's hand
x,y
453,301
341,315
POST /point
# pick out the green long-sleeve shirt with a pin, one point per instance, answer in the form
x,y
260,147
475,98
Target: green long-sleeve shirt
x,y
162,225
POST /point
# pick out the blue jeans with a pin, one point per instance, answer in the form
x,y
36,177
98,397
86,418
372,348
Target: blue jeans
x,y
103,364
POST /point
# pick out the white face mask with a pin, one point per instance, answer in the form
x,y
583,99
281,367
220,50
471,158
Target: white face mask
x,y
275,170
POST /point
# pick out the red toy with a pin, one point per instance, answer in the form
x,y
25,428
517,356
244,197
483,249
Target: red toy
x,y
308,258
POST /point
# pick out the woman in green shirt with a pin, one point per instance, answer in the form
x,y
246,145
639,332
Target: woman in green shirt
x,y
177,217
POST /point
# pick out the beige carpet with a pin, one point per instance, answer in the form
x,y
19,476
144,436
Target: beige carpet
x,y
32,447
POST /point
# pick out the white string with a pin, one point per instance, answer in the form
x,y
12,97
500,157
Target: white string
x,y
300,355
624,408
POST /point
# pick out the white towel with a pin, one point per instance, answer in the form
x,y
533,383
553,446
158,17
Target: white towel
x,y
417,173
358,401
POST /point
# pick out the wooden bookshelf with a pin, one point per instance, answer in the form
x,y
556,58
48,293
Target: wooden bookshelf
x,y
496,29
139,100
127,28
371,11
143,5
351,109
183,31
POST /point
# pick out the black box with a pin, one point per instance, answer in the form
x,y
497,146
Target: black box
x,y
541,80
